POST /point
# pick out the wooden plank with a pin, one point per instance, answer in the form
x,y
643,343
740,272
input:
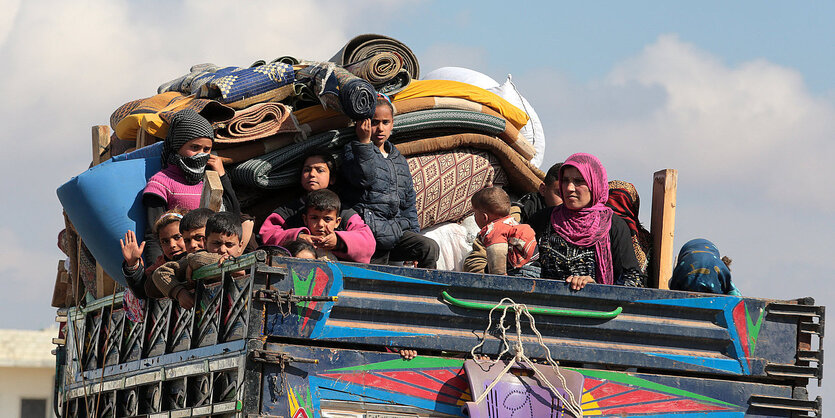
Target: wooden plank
x,y
663,227
101,144
101,152
212,196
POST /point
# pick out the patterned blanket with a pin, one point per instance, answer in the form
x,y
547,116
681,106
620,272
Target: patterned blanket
x,y
524,178
241,87
338,89
257,121
445,182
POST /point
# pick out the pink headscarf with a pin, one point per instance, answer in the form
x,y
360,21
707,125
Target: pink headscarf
x,y
588,226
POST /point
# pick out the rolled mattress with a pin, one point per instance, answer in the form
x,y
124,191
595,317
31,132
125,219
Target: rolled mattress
x,y
105,201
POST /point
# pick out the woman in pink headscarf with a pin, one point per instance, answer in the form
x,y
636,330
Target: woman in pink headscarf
x,y
580,241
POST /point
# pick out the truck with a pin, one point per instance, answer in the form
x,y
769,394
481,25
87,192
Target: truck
x,y
305,338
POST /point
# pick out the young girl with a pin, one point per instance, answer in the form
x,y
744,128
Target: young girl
x,y
185,157
137,274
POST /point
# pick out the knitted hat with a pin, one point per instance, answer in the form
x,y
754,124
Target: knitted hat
x,y
184,126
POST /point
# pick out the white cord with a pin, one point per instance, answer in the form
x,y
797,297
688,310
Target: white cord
x,y
571,404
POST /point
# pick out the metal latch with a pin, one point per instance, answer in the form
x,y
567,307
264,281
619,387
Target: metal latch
x,y
286,298
278,357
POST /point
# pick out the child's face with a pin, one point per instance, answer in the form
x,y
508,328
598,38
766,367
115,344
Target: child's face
x,y
195,239
551,193
171,240
224,244
321,222
306,254
315,174
381,125
196,146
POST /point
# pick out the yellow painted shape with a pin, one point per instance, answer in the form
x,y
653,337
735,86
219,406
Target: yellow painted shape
x,y
294,403
588,403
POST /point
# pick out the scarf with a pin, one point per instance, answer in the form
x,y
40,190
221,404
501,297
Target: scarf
x,y
184,126
588,227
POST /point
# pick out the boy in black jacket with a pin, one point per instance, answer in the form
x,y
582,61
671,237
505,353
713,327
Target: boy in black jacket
x,y
380,189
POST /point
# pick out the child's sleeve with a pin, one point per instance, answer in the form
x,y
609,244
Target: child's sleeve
x,y
476,261
359,241
273,231
359,165
408,208
135,279
230,199
495,245
168,277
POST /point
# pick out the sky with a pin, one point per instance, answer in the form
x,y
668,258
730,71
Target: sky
x,y
738,97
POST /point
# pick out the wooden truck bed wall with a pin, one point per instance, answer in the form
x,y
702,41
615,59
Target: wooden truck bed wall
x,y
299,338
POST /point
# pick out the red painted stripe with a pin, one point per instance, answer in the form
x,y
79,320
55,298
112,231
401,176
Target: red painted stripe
x,y
681,405
608,389
425,382
742,326
634,397
589,383
450,378
319,282
382,383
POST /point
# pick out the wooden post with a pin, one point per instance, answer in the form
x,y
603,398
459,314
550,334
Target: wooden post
x,y
101,152
663,227
101,144
212,196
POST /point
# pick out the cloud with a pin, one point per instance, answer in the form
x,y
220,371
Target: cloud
x,y
728,126
59,77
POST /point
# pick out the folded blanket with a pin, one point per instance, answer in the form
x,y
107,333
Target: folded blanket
x,y
153,113
384,71
340,90
367,45
257,121
510,134
241,87
524,178
446,88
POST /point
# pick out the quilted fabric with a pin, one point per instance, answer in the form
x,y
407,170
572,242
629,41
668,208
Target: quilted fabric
x,y
445,181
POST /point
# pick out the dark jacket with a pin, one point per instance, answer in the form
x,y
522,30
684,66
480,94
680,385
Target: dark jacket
x,y
380,189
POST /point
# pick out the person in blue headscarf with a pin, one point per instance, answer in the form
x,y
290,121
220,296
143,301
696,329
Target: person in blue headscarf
x,y
701,268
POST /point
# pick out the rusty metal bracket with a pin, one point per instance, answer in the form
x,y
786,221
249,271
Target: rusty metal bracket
x,y
278,357
284,299
795,406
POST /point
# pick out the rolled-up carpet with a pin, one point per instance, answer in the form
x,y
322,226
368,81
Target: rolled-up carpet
x,y
276,169
367,45
524,178
339,89
511,135
257,121
384,71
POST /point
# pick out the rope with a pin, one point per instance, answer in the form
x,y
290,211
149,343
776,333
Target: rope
x,y
570,404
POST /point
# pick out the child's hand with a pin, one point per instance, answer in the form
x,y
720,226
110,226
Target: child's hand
x,y
327,242
307,237
216,164
223,258
185,299
578,282
131,250
408,354
363,130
